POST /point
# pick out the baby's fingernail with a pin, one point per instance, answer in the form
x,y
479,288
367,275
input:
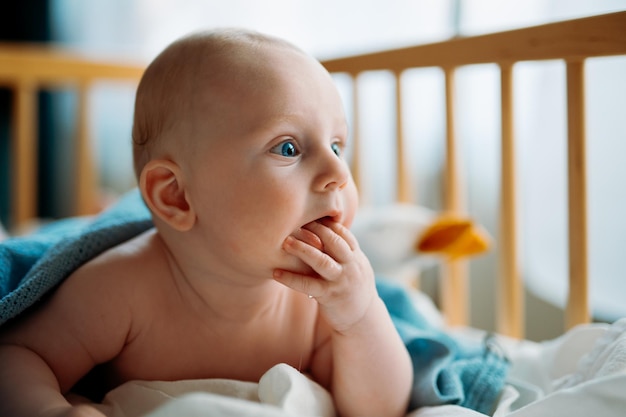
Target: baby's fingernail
x,y
288,241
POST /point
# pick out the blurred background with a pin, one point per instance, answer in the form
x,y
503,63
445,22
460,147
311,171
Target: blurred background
x,y
137,30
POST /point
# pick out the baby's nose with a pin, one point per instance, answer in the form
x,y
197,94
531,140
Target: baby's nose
x,y
334,173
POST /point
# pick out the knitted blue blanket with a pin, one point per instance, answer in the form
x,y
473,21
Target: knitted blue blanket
x,y
447,370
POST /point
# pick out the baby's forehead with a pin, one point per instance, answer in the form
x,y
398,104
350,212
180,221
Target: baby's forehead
x,y
251,63
231,47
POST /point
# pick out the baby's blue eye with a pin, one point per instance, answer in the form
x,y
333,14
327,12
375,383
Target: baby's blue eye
x,y
336,148
287,149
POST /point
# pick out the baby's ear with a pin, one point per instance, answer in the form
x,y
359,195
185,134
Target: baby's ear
x,y
163,189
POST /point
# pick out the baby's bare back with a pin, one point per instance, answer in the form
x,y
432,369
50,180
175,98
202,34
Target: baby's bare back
x,y
129,311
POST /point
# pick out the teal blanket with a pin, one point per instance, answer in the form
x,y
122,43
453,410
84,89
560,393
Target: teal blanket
x,y
447,370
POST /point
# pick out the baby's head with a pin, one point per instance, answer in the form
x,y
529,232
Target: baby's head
x,y
239,135
186,73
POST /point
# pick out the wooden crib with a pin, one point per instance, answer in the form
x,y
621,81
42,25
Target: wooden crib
x,y
25,69
572,41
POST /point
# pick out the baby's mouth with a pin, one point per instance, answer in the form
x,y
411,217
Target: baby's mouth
x,y
327,218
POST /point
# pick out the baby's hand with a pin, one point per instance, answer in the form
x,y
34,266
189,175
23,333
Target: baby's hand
x,y
344,283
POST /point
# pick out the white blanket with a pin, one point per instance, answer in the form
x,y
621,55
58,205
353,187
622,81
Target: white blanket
x,y
582,373
579,374
281,392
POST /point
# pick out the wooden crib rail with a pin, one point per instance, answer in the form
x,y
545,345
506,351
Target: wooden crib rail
x,y
571,41
577,39
26,68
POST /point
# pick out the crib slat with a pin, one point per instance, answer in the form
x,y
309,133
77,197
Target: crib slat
x,y
454,288
404,192
24,149
577,310
452,186
510,303
86,173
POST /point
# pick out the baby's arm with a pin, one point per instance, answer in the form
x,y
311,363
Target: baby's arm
x,y
45,353
371,369
28,387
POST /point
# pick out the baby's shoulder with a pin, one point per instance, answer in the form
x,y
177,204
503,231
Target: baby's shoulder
x,y
131,263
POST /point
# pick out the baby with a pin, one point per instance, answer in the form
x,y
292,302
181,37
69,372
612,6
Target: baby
x,y
239,143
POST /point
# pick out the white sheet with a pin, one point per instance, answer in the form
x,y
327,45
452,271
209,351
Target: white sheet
x,y
582,373
281,392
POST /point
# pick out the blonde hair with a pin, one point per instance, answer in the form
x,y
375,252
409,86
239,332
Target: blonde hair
x,y
170,85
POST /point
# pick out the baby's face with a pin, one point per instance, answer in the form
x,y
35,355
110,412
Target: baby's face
x,y
271,162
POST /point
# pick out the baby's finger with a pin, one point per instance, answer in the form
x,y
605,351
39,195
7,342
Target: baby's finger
x,y
309,237
334,244
319,261
342,231
313,287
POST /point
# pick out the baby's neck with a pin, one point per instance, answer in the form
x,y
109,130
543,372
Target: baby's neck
x,y
226,298
230,302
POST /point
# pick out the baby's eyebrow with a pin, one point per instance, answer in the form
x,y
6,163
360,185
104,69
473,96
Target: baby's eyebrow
x,y
288,123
